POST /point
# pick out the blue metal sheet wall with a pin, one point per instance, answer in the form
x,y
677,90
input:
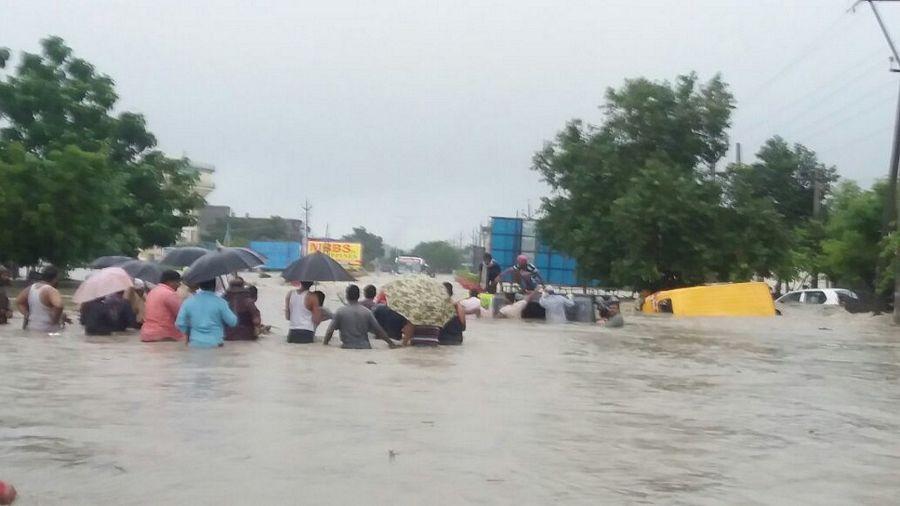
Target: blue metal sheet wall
x,y
507,243
278,254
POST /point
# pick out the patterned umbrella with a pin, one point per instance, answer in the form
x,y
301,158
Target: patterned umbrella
x,y
422,300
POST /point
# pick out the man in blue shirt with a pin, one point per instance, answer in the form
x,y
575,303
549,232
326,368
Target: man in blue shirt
x,y
203,317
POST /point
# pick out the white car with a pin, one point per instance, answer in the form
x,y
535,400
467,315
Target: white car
x,y
822,296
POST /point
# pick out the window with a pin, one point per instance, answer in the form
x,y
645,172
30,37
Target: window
x,y
814,297
791,297
846,294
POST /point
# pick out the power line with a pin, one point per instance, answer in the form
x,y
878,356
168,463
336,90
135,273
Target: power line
x,y
804,137
793,63
871,135
827,119
814,98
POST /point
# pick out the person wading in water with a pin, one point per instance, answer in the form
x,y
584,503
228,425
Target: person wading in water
x,y
304,312
41,304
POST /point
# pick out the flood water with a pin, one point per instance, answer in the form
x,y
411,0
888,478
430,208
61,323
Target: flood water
x,y
803,409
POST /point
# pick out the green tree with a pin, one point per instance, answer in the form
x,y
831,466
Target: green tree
x,y
633,203
756,238
56,105
372,245
853,244
787,177
440,255
56,208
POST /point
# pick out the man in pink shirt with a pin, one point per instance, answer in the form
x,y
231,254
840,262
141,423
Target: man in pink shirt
x,y
161,309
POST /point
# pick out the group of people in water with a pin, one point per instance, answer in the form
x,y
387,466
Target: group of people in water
x,y
536,300
206,315
366,312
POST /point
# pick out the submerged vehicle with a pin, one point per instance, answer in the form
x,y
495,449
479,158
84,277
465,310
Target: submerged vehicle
x,y
727,299
824,296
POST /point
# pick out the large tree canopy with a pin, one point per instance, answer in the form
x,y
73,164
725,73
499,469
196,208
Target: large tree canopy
x,y
632,200
85,181
636,202
784,180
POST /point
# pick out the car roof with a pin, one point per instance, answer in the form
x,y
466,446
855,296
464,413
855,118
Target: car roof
x,y
845,291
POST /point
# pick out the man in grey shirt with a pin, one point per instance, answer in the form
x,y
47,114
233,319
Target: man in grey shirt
x,y
555,305
355,322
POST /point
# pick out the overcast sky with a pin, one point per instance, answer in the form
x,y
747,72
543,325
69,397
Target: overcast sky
x,y
418,119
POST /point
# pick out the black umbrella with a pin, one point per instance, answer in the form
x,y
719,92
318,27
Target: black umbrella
x,y
147,271
109,261
183,256
217,263
247,254
316,267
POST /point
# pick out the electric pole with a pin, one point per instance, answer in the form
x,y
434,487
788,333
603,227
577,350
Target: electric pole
x,y
306,228
816,211
890,221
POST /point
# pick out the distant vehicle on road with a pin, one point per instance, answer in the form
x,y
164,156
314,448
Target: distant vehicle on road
x,y
412,265
819,296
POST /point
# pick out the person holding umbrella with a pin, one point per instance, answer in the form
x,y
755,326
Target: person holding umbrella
x,y
425,305
243,303
103,306
302,307
103,316
303,310
204,316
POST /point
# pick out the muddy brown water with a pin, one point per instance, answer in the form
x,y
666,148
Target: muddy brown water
x,y
803,409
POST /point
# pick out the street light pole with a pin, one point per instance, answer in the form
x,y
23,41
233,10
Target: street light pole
x,y
306,229
890,208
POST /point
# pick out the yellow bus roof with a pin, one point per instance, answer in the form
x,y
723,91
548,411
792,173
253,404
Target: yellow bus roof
x,y
728,299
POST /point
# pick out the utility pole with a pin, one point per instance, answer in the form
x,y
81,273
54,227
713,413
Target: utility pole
x,y
816,210
737,153
890,208
306,228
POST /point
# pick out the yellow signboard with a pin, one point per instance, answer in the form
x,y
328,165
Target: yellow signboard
x,y
345,253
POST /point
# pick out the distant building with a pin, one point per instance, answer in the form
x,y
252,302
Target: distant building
x,y
209,216
205,186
